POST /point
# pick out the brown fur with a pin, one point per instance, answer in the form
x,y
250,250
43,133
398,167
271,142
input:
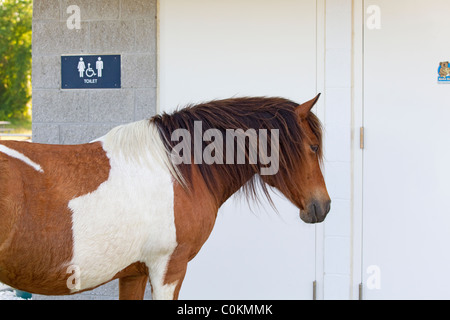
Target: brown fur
x,y
194,224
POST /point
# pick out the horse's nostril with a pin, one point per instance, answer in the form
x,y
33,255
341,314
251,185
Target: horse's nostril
x,y
319,210
313,212
314,209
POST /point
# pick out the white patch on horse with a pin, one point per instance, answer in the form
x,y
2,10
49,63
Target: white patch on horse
x,y
130,217
17,155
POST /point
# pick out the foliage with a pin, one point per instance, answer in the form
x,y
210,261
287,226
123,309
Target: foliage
x,y
15,58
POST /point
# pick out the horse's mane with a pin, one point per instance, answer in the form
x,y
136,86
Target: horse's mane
x,y
241,113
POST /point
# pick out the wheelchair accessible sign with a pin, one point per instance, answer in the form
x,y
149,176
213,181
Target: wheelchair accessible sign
x,y
90,72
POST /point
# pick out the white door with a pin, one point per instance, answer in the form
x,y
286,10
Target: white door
x,y
219,49
406,166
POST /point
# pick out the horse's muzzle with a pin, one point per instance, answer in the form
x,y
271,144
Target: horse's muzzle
x,y
316,211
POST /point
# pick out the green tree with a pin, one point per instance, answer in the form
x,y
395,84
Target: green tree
x,y
15,58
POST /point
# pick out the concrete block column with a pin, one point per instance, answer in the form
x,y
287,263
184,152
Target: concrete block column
x,y
125,27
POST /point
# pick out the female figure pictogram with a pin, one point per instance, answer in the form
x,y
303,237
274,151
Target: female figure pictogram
x,y
81,67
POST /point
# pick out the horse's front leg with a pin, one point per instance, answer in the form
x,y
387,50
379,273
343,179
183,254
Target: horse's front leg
x,y
166,283
132,287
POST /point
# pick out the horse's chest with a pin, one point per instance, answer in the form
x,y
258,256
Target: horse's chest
x,y
129,218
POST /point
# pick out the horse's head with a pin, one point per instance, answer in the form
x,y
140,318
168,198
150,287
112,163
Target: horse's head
x,y
303,183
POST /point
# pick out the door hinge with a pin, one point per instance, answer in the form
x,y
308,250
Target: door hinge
x,y
360,291
361,138
315,290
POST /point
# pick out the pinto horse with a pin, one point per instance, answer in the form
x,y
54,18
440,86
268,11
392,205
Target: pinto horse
x,y
75,217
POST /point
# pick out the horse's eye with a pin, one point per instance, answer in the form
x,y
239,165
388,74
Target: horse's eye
x,y
315,148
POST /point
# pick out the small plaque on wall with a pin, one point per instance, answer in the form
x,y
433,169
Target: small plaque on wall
x,y
444,72
90,72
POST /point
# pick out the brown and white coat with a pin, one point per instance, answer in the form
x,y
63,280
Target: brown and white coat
x,y
75,217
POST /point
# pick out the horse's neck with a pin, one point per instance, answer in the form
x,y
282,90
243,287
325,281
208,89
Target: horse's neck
x,y
225,188
219,189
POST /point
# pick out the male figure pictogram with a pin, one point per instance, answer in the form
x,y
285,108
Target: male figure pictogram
x,y
99,66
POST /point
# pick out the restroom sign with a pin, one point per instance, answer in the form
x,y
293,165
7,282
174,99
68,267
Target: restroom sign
x,y
90,72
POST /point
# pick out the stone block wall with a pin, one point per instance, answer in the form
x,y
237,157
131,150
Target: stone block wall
x,y
125,27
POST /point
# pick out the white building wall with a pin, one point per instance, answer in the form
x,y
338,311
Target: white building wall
x,y
337,272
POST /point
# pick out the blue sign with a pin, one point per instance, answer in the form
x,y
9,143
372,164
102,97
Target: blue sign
x,y
90,72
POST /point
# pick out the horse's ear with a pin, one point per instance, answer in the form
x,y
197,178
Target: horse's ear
x,y
303,109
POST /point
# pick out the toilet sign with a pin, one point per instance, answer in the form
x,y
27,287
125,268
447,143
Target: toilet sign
x,y
90,72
